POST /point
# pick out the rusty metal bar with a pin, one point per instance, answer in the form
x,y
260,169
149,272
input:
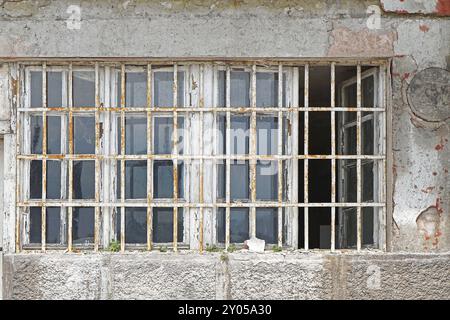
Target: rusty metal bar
x,y
122,161
70,195
97,160
358,161
253,153
175,157
228,161
333,153
280,153
44,161
201,195
305,162
149,160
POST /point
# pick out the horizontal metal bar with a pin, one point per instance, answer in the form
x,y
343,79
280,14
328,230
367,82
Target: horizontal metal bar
x,y
196,109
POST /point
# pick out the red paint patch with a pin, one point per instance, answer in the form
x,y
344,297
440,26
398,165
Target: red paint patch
x,y
438,206
443,7
424,28
441,145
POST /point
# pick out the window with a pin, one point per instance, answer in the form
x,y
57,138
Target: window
x,y
189,154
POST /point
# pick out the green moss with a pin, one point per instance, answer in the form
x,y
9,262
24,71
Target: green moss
x,y
114,246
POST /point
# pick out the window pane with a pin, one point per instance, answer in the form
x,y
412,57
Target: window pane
x,y
163,225
53,225
162,135
267,135
83,89
239,225
267,89
53,180
136,179
222,87
240,89
135,135
367,182
221,179
36,89
53,135
266,180
54,89
240,134
221,134
135,90
367,137
239,177
367,92
83,225
267,224
368,225
35,225
135,225
349,180
163,89
163,179
36,179
84,135
84,179
36,134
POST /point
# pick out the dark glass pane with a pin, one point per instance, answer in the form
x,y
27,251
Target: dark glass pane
x,y
239,225
84,179
222,88
54,89
53,180
53,135
367,92
221,179
367,137
135,135
162,135
163,225
221,134
239,177
267,89
350,96
367,182
350,141
163,179
136,225
84,135
36,134
53,225
368,225
83,225
240,89
347,233
266,180
319,180
35,225
240,134
267,135
163,89
83,89
36,89
36,179
136,179
267,224
349,180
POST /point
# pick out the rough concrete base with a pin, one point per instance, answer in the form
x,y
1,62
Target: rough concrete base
x,y
293,275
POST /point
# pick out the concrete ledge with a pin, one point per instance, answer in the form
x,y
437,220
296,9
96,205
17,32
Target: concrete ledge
x,y
241,275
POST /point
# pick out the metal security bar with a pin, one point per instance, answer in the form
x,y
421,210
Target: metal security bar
x,y
286,201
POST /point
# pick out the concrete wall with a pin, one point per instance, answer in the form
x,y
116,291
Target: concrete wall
x,y
419,46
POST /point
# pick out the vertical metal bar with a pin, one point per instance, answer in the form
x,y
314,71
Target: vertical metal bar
x,y
97,160
44,158
228,160
70,195
294,153
149,160
201,195
19,167
175,157
333,153
122,161
358,151
253,153
215,94
305,161
280,153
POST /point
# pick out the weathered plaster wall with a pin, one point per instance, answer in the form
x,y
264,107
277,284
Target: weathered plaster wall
x,y
419,45
234,276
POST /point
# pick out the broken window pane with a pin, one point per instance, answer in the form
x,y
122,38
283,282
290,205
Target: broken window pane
x,y
135,135
83,89
267,224
163,179
135,89
163,133
163,225
84,135
267,89
240,89
163,89
84,179
53,135
239,225
54,89
267,135
36,134
53,225
36,179
136,179
83,222
239,177
36,89
266,180
135,225
53,179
